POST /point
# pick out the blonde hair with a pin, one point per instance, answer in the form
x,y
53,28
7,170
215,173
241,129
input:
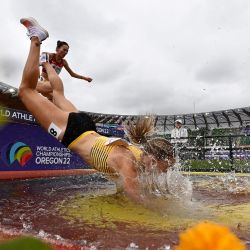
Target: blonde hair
x,y
140,131
161,148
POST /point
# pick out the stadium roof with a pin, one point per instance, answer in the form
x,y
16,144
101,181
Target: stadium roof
x,y
231,118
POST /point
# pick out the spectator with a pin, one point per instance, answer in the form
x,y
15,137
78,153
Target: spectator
x,y
178,133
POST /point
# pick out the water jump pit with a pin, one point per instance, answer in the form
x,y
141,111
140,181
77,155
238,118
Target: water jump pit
x,y
88,212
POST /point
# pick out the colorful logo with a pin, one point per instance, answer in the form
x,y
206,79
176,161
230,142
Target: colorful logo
x,y
17,151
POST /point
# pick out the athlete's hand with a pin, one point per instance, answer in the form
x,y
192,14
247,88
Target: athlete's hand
x,y
89,79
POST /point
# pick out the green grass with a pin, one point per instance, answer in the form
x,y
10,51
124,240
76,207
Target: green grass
x,y
217,165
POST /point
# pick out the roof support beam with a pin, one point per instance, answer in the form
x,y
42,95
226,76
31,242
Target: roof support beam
x,y
238,116
227,118
216,120
195,123
205,119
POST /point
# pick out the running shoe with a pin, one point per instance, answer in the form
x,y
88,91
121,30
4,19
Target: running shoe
x,y
44,57
34,29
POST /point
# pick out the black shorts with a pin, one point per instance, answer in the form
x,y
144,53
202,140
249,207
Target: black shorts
x,y
78,123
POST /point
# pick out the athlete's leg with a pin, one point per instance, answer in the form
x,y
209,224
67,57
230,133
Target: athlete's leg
x,y
31,69
44,88
43,110
58,90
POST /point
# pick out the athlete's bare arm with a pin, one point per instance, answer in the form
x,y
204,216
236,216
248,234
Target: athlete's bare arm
x,y
75,75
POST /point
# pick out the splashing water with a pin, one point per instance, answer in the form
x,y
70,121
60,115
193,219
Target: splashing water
x,y
171,184
179,186
234,184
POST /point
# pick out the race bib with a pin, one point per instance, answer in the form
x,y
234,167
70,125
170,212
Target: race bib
x,y
54,130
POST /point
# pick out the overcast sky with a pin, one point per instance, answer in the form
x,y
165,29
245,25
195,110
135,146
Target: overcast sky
x,y
145,56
